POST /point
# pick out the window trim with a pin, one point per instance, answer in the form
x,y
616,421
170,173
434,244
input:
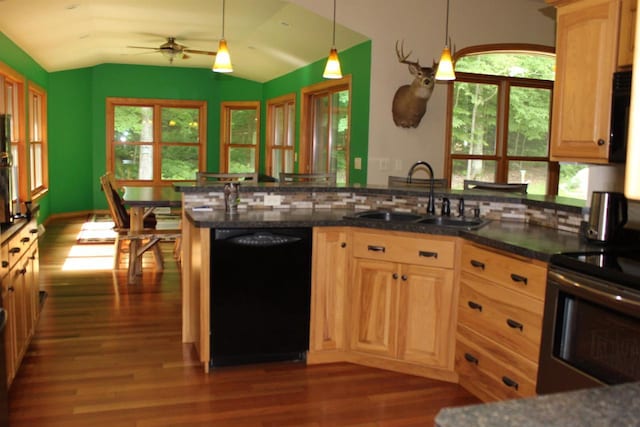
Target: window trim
x,y
272,104
37,192
157,104
225,131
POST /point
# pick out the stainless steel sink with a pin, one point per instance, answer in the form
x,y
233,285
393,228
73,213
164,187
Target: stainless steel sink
x,y
386,216
454,222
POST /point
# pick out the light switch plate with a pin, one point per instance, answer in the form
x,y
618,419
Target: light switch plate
x,y
357,163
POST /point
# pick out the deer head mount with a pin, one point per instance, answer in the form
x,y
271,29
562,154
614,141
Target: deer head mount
x,y
410,101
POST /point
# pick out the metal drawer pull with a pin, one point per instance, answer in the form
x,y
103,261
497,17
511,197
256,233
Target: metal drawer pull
x,y
474,305
25,240
477,264
404,278
376,248
518,278
14,250
427,254
395,276
515,325
343,244
471,358
33,231
509,382
5,264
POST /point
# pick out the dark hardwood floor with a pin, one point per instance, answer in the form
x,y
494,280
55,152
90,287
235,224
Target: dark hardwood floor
x,y
110,354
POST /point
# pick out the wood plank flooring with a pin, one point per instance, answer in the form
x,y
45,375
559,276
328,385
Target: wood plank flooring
x,y
110,354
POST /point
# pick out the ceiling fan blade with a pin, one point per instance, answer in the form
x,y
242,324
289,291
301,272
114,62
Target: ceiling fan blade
x,y
144,47
199,52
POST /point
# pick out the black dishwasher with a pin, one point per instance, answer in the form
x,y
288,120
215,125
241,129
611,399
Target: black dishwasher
x,y
260,295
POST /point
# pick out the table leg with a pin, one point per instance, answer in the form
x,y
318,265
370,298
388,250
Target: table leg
x,y
136,219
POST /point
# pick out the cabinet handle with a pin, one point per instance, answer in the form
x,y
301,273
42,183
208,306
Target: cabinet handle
x,y
601,142
471,358
515,325
33,231
509,382
404,277
14,250
23,271
395,276
343,245
376,248
518,278
427,254
25,240
477,264
11,289
474,305
5,264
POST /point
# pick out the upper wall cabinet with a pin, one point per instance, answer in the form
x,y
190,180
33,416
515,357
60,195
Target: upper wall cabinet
x,y
627,32
586,57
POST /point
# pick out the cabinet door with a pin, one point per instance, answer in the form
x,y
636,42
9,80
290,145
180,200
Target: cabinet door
x,y
627,32
330,271
586,48
32,288
10,346
426,333
374,307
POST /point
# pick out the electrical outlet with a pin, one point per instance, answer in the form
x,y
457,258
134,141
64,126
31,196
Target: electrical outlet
x,y
272,200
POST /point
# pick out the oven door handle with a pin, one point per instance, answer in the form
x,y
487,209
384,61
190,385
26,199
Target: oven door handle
x,y
593,291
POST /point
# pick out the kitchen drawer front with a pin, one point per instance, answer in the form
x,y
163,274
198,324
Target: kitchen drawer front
x,y
408,249
490,371
505,316
4,260
515,273
20,242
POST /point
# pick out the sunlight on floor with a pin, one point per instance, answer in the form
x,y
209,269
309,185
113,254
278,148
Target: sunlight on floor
x,y
89,257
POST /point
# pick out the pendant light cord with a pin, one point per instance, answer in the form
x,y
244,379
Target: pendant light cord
x,y
223,18
333,43
446,28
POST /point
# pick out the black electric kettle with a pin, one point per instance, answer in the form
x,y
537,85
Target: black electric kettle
x,y
607,216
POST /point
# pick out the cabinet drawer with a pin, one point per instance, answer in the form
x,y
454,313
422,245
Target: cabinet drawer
x,y
515,273
491,372
20,242
502,315
427,251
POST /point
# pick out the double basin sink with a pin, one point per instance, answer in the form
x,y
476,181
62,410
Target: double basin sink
x,y
466,223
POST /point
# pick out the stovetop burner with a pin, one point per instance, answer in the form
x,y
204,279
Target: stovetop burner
x,y
620,266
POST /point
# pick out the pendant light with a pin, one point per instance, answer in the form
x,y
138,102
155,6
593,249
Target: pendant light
x,y
222,63
332,70
445,66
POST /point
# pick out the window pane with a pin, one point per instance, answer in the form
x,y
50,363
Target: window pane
x,y
529,110
510,64
134,162
474,119
320,134
278,125
179,162
536,174
243,127
339,132
179,125
574,180
36,117
242,160
133,124
36,166
479,170
291,129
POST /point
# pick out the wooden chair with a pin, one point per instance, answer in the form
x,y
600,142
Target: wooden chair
x,y
120,218
401,181
495,186
308,178
212,177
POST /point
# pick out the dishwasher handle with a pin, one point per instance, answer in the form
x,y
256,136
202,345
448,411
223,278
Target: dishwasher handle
x,y
263,239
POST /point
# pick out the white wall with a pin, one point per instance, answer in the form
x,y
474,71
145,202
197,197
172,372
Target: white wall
x,y
421,23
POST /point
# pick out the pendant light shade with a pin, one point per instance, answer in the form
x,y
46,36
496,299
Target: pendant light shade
x,y
333,70
445,66
222,64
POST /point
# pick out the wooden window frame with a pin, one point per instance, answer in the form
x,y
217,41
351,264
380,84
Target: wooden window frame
x,y
225,131
38,190
281,101
157,144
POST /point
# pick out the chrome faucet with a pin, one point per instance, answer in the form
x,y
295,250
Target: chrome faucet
x,y
431,204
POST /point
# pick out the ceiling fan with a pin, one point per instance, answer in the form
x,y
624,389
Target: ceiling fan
x,y
172,49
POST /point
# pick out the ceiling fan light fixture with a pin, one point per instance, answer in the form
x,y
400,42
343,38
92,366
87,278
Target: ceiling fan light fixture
x,y
333,70
222,64
445,66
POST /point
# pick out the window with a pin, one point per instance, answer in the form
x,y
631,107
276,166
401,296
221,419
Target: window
x,y
12,103
281,116
240,137
500,115
38,140
325,129
155,141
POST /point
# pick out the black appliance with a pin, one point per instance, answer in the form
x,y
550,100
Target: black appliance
x,y
260,295
591,325
4,394
620,104
6,192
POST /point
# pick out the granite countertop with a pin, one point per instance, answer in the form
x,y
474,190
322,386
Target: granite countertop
x,y
617,405
519,238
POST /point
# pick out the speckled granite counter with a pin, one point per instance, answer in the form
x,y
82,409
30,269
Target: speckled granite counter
x,y
596,407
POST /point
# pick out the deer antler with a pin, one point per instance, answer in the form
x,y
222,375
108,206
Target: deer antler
x,y
402,58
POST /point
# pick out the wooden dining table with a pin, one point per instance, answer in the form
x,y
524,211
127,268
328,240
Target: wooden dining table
x,y
141,201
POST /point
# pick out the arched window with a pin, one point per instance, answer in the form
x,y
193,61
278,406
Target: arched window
x,y
499,117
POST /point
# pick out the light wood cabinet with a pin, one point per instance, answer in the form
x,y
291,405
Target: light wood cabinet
x,y
586,57
500,321
20,293
331,254
627,34
403,307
